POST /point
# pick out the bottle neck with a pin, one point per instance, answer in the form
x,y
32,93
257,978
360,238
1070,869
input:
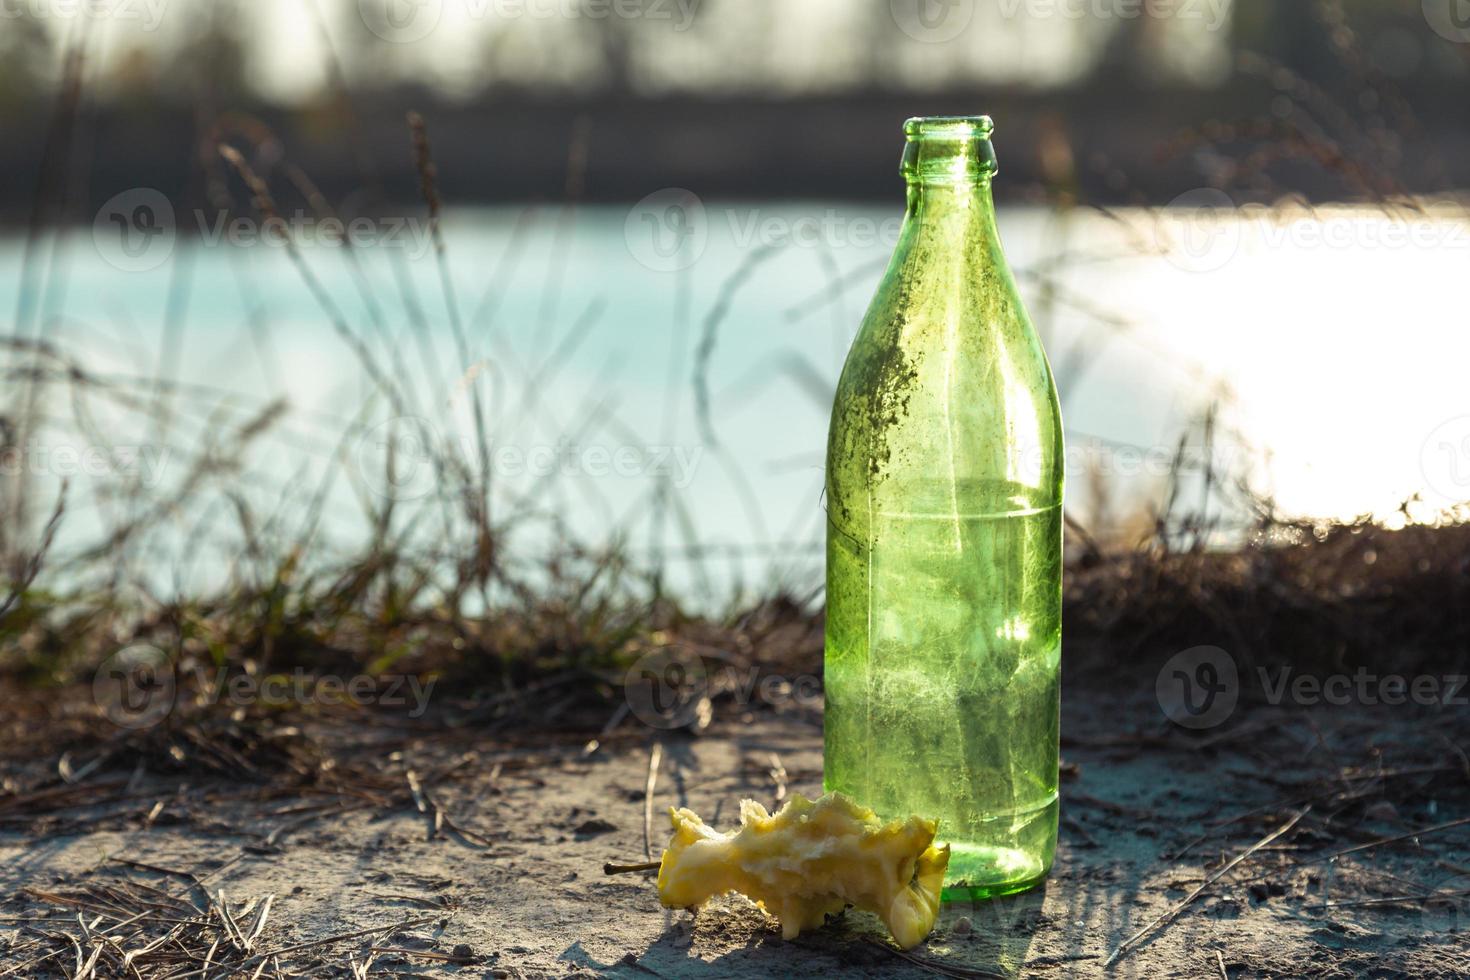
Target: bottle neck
x,y
953,208
948,162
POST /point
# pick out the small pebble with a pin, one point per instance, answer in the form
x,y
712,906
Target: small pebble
x,y
963,926
463,952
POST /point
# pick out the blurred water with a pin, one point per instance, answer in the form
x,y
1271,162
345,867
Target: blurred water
x,y
624,348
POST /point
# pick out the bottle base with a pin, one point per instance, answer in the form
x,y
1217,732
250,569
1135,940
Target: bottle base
x,y
977,872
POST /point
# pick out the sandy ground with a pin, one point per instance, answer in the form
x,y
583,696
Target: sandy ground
x,y
529,898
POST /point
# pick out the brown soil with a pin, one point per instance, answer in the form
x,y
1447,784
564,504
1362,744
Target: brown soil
x,y
501,874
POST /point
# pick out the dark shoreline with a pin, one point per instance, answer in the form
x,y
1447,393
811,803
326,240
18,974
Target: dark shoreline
x,y
1126,147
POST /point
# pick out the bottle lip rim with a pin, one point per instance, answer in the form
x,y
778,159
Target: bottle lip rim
x,y
948,127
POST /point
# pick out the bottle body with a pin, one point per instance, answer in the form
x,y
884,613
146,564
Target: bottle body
x,y
944,539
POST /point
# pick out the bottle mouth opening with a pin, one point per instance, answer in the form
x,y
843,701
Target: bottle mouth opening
x,y
948,150
948,127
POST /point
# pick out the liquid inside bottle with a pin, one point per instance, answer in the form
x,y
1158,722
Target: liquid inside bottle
x,y
944,544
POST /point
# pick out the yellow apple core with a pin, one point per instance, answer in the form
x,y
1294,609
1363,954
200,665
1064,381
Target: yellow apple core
x,y
810,860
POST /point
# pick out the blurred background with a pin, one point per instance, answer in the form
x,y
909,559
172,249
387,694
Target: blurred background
x,y
464,301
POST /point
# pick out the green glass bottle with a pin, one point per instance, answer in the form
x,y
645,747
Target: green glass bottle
x,y
944,536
